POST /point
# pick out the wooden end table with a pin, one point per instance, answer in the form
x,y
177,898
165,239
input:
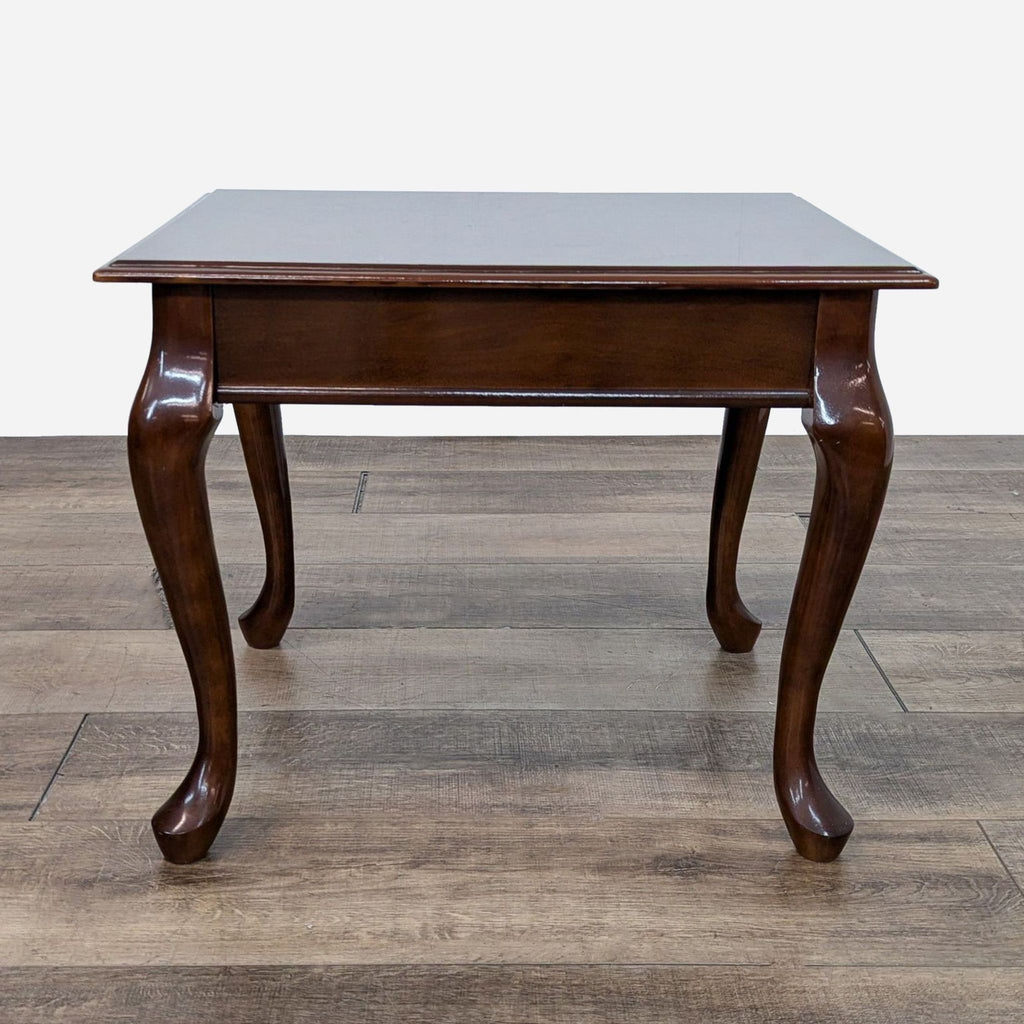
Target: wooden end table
x,y
741,301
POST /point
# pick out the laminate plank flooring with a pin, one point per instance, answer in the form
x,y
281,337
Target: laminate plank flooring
x,y
775,490
541,994
632,595
403,669
410,889
404,454
561,764
80,597
323,538
327,538
628,594
937,670
87,488
31,749
1007,839
529,786
563,454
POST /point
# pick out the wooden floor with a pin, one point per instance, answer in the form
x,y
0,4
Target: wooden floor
x,y
499,769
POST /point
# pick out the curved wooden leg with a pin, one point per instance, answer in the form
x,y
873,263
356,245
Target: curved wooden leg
x,y
169,430
850,428
259,427
742,437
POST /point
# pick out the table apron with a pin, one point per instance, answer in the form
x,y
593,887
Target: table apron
x,y
509,346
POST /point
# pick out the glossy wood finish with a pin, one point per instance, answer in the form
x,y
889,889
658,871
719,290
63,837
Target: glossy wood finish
x,y
169,429
259,428
494,346
742,437
851,430
744,301
495,239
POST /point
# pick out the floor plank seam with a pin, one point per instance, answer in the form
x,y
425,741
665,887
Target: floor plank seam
x,y
881,671
60,765
534,709
337,819
999,857
500,965
891,965
604,627
938,630
584,628
357,502
640,562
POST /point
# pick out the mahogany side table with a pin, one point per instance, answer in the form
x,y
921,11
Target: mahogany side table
x,y
735,300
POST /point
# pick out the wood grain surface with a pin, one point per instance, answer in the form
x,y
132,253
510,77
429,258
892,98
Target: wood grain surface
x,y
38,457
80,597
326,538
555,994
529,784
614,594
322,538
1007,839
564,764
775,490
383,887
31,749
631,669
940,670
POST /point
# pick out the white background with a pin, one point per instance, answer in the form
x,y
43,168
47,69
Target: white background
x,y
903,120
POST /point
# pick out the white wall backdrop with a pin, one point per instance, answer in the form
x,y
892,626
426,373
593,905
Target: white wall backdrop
x,y
901,119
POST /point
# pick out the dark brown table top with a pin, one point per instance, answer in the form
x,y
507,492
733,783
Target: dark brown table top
x,y
512,238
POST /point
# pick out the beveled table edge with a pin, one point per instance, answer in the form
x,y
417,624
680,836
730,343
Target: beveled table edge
x,y
374,275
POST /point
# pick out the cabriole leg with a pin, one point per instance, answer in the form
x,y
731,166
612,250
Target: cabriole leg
x,y
169,430
259,427
851,431
742,436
